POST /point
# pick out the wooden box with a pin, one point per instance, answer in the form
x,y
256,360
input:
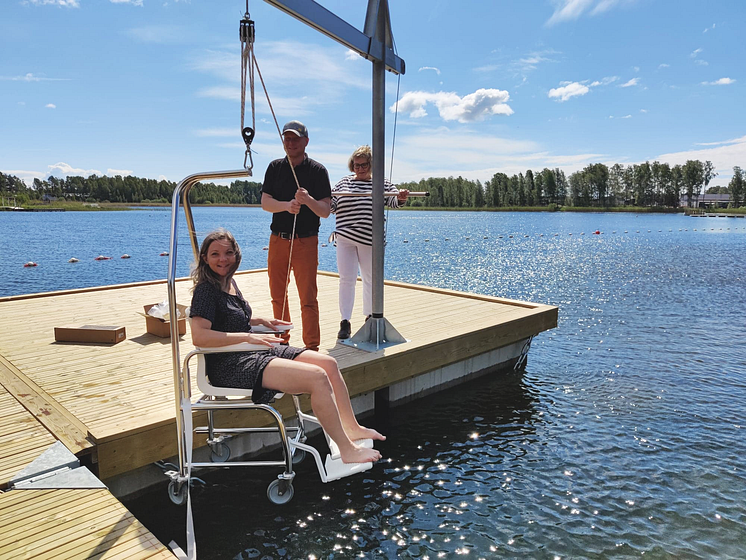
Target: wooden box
x,y
102,334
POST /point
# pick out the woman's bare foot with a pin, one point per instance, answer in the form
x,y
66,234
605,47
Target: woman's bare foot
x,y
361,432
360,455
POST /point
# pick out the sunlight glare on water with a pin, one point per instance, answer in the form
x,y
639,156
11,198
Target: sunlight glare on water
x,y
623,438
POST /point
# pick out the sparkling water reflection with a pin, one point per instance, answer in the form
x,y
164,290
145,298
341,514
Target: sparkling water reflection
x,y
623,437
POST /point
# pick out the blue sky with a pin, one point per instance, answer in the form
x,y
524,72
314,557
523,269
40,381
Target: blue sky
x,y
151,87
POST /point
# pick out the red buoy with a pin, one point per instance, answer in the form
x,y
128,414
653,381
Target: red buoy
x,y
30,264
102,258
164,254
597,232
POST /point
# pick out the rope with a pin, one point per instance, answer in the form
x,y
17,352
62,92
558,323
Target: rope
x,y
391,168
297,184
246,35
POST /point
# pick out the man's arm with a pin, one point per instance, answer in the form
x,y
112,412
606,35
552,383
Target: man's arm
x,y
319,207
271,205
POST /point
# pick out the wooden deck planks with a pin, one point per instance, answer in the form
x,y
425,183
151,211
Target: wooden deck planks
x,y
22,438
112,393
72,524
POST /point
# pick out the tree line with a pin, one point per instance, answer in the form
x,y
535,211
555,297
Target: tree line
x,y
597,185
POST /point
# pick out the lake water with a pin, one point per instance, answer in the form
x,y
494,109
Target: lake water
x,y
624,437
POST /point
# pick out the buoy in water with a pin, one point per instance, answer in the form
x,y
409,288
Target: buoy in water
x,y
405,241
73,260
30,264
102,258
323,244
164,254
597,232
265,248
125,256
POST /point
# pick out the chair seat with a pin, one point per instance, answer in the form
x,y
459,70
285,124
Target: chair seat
x,y
203,381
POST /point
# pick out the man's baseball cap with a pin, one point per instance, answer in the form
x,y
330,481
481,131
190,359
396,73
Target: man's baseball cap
x,y
296,127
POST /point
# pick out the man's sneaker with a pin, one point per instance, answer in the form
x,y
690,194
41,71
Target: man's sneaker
x,y
345,329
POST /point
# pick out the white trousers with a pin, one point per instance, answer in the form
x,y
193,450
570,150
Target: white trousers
x,y
350,256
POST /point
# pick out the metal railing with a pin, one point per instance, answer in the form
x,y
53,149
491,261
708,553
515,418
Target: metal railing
x,y
181,197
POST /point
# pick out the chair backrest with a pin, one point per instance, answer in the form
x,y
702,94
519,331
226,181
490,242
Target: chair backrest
x,y
203,382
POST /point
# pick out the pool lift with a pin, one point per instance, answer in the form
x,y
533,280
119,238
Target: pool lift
x,y
375,44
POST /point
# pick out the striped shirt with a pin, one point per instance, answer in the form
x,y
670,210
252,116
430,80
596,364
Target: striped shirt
x,y
354,214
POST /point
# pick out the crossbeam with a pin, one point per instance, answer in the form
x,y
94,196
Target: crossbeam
x,y
331,25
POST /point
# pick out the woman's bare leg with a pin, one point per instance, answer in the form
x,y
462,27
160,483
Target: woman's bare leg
x,y
297,377
342,396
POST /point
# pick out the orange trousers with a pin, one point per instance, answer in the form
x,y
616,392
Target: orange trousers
x,y
305,262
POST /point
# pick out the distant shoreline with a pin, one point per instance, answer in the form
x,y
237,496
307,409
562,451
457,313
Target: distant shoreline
x,y
58,206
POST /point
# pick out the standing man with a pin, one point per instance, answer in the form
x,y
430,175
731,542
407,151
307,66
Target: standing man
x,y
304,205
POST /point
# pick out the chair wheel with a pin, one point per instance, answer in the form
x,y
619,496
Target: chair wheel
x,y
280,491
298,455
220,452
177,492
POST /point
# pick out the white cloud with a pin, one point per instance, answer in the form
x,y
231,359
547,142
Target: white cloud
x,y
62,169
158,34
700,62
709,28
115,172
630,83
162,178
604,82
352,55
50,106
664,65
726,155
60,3
626,117
436,70
285,64
566,10
573,89
475,106
695,53
133,2
31,78
720,82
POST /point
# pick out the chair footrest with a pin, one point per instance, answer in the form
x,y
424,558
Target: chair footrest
x,y
334,450
336,469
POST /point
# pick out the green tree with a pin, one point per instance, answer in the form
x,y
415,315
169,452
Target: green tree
x,y
737,188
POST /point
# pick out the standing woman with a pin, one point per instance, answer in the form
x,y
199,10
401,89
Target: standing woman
x,y
221,317
354,232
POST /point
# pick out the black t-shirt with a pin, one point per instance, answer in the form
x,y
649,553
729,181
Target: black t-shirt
x,y
280,185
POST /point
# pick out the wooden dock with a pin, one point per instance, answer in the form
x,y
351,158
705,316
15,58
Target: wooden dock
x,y
113,405
85,524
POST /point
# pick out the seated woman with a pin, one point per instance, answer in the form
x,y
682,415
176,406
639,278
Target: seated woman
x,y
221,317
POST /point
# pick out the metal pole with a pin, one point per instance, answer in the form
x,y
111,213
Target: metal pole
x,y
181,194
379,131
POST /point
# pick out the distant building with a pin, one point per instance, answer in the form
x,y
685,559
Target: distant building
x,y
707,201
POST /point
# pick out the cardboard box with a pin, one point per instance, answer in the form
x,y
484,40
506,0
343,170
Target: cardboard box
x,y
162,327
102,334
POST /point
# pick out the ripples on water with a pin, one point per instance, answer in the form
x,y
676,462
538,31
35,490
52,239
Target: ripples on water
x,y
623,438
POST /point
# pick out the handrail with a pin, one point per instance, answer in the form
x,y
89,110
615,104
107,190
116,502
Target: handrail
x,y
181,195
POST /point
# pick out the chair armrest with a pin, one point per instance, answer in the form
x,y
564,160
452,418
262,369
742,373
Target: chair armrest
x,y
261,329
240,347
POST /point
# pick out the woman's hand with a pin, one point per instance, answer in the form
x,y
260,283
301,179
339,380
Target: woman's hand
x,y
263,339
403,195
269,323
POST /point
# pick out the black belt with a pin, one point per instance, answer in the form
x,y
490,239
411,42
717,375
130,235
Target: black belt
x,y
283,235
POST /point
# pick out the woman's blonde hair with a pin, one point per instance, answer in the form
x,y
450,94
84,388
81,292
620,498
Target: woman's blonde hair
x,y
202,271
362,151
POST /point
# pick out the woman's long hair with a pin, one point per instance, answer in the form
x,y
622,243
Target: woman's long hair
x,y
202,271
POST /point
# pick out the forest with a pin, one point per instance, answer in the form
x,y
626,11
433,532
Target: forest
x,y
654,185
